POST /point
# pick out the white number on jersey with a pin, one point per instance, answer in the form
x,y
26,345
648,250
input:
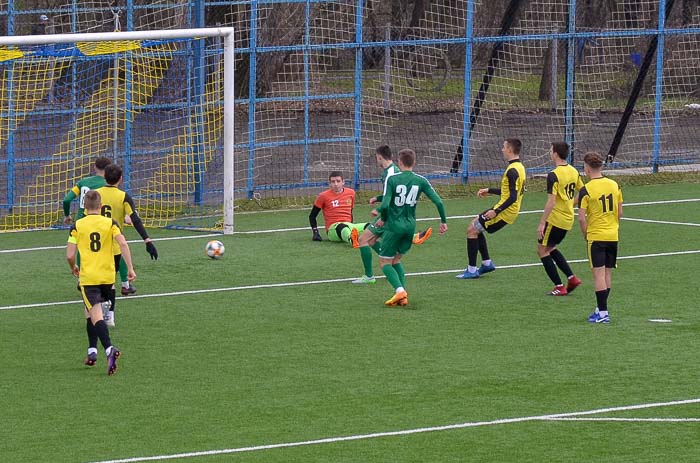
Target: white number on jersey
x,y
403,198
83,192
335,203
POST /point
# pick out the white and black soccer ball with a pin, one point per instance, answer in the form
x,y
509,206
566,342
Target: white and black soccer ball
x,y
214,249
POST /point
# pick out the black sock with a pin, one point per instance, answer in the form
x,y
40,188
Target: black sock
x,y
103,333
561,262
601,298
483,247
91,334
472,250
551,269
112,298
608,295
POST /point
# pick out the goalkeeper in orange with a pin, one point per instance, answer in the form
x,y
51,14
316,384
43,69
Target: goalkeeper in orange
x,y
336,203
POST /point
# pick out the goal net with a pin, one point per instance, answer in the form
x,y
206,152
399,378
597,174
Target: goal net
x,y
154,102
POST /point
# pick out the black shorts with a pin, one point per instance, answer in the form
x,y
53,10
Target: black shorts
x,y
602,254
117,261
95,294
552,235
489,226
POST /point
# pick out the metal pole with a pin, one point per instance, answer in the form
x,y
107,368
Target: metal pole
x,y
229,94
659,85
387,69
555,77
357,132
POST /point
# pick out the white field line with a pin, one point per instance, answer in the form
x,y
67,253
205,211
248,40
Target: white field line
x,y
664,222
631,420
280,230
335,280
405,432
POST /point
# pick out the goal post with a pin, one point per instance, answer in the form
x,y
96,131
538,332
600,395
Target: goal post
x,y
158,103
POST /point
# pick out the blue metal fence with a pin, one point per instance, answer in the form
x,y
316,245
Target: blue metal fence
x,y
339,108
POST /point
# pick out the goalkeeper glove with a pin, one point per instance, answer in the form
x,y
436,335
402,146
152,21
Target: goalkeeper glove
x,y
151,249
317,235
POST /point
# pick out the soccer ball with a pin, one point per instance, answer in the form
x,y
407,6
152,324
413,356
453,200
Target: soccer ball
x,y
214,249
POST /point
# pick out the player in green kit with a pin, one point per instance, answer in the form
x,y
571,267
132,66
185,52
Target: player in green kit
x,y
83,186
370,236
398,217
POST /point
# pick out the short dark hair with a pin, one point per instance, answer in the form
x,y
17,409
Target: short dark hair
x,y
515,144
113,173
407,157
593,160
385,152
335,173
561,148
92,200
101,163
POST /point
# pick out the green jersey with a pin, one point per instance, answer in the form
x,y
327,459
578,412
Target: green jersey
x,y
393,169
79,191
401,194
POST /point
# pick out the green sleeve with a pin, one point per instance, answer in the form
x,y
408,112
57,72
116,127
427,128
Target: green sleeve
x,y
70,196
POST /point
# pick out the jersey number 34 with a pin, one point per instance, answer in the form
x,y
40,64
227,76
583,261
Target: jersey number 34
x,y
403,197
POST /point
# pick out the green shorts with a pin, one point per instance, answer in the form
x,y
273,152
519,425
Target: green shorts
x,y
376,231
394,243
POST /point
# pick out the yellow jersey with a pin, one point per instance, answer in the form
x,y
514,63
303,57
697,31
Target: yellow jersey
x,y
563,182
94,235
116,204
514,175
601,199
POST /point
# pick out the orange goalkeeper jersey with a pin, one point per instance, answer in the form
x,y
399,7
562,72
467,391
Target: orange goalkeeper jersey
x,y
336,207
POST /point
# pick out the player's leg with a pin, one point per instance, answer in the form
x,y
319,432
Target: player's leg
x,y
367,240
490,226
109,305
597,258
390,246
91,358
340,232
572,282
545,246
95,296
127,287
610,263
404,248
473,233
356,230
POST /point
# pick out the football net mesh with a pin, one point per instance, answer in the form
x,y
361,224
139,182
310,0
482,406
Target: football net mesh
x,y
155,107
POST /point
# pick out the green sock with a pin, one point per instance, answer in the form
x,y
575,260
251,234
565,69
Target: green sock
x,y
123,271
401,273
366,255
391,276
377,246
